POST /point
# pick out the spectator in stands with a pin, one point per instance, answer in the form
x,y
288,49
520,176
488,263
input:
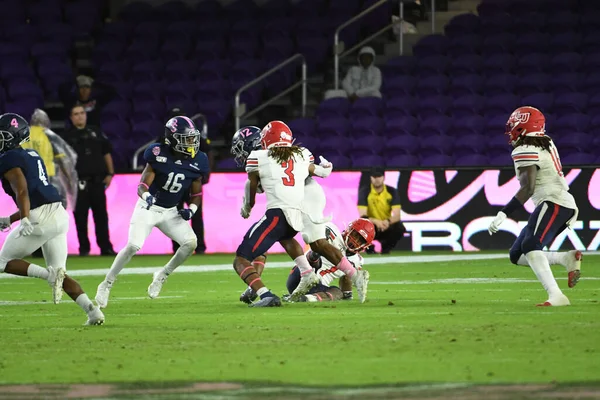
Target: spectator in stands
x,y
197,219
95,170
57,155
362,80
380,203
92,96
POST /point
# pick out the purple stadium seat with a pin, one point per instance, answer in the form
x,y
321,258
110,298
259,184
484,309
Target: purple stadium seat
x,y
464,24
403,105
401,161
399,85
400,144
372,123
464,45
438,160
465,85
396,125
439,124
466,105
566,62
469,143
473,124
532,83
367,161
340,161
575,140
499,64
431,45
431,65
570,102
117,108
24,106
541,101
402,64
502,104
500,160
18,89
333,107
366,106
116,128
302,127
464,65
338,124
582,159
498,43
473,160
432,86
573,122
566,82
594,109
433,106
146,129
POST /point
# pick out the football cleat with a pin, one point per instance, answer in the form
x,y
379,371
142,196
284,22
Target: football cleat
x,y
270,301
574,266
360,280
556,301
102,293
307,281
95,317
248,296
157,283
56,277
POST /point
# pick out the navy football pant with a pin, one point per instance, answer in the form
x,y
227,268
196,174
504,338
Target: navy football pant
x,y
544,224
270,229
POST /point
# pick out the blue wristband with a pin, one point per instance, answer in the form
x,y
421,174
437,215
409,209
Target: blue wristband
x,y
512,205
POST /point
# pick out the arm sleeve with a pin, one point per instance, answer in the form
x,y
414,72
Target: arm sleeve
x,y
363,195
106,145
347,82
374,86
525,156
252,163
395,202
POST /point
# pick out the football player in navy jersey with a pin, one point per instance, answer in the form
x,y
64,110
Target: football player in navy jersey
x,y
44,221
173,168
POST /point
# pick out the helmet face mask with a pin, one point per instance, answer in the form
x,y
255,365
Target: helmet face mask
x,y
359,235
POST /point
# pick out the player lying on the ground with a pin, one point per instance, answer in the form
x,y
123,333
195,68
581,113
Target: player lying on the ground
x,y
245,141
355,238
540,174
173,168
44,221
281,169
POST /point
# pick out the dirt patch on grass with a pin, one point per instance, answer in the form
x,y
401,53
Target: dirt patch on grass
x,y
225,390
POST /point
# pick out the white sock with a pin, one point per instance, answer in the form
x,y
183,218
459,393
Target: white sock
x,y
85,303
262,291
182,254
35,271
303,264
553,257
120,261
540,266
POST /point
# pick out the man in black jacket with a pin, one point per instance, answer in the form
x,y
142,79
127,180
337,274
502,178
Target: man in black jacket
x,y
95,170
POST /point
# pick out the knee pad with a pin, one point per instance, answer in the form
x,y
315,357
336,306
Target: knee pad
x,y
514,255
530,243
189,245
131,249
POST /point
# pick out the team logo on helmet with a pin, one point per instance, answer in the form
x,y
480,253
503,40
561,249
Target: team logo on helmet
x,y
172,124
522,117
156,150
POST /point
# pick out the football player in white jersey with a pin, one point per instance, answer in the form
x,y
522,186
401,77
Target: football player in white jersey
x,y
355,238
281,169
539,171
313,206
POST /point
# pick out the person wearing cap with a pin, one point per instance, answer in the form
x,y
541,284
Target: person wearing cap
x,y
91,95
95,169
380,203
197,218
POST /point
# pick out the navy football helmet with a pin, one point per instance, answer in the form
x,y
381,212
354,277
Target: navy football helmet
x,y
14,131
244,141
182,136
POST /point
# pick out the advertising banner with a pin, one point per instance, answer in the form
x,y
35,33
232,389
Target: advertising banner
x,y
442,210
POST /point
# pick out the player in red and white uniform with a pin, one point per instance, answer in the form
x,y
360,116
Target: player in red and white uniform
x,y
538,168
281,169
355,238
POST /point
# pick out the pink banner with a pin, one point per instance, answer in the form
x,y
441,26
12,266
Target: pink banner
x,y
224,227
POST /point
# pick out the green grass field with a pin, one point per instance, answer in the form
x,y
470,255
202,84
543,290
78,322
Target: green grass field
x,y
449,320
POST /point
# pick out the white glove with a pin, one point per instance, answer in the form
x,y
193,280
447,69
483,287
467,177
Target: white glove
x,y
26,227
495,225
4,224
245,211
324,163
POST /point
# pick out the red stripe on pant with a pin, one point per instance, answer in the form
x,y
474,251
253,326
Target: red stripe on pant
x,y
552,218
266,232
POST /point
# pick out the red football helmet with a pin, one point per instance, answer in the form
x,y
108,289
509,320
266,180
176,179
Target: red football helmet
x,y
359,234
525,121
276,134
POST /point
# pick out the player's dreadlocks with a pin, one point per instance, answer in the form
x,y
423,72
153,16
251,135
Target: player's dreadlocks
x,y
543,142
283,154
